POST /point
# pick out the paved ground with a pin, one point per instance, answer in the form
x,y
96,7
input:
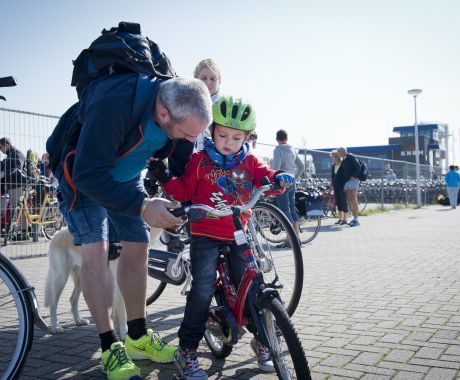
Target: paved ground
x,y
379,301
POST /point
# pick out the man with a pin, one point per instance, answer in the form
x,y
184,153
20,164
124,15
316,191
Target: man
x,y
452,179
12,175
351,170
285,158
99,182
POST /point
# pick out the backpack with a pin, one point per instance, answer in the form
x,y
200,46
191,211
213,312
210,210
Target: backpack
x,y
363,172
120,49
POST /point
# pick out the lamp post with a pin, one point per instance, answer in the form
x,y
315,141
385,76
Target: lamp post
x,y
416,92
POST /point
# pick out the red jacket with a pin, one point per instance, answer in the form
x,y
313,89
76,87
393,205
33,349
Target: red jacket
x,y
205,183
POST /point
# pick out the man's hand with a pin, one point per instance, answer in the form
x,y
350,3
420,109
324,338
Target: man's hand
x,y
156,213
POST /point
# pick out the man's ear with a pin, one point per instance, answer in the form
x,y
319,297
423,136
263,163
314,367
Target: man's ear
x,y
162,113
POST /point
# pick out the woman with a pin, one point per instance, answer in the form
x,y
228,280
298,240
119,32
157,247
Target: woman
x,y
338,182
207,71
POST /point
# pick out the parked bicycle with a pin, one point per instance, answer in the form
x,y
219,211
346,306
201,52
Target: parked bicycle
x,y
281,265
18,314
256,305
38,206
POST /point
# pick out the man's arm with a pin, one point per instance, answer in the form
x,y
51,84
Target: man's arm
x,y
276,163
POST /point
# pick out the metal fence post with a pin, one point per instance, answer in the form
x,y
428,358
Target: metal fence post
x,y
382,184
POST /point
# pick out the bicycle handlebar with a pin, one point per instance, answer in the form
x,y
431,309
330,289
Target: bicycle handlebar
x,y
227,211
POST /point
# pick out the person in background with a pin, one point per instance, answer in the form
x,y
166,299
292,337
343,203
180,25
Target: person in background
x,y
452,179
351,170
285,158
207,71
338,182
13,178
390,175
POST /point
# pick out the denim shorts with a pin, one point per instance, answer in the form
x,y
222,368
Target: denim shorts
x,y
352,184
89,222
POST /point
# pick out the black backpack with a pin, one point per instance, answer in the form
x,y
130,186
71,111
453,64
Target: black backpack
x,y
363,172
121,49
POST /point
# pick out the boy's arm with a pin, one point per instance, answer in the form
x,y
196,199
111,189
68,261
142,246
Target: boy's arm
x,y
182,188
276,163
260,170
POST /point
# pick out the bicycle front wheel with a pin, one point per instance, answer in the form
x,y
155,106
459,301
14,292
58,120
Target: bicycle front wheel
x,y
309,228
16,323
284,344
284,253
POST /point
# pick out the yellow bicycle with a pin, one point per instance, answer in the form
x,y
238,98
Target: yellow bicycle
x,y
40,209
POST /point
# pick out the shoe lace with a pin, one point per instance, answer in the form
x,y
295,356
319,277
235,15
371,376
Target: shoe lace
x,y
156,341
191,361
264,354
117,358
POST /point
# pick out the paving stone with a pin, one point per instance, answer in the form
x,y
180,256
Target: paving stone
x,y
392,338
403,375
338,361
368,358
441,374
400,356
435,363
429,353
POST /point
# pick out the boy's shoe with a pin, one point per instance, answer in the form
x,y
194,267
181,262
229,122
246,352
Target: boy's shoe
x,y
354,223
187,364
263,356
343,222
149,346
117,364
338,222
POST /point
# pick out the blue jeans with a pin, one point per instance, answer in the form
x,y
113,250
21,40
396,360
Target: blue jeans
x,y
286,203
203,255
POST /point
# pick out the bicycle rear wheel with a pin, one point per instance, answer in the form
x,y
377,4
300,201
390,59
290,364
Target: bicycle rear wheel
x,y
309,228
284,344
285,255
16,323
52,221
362,201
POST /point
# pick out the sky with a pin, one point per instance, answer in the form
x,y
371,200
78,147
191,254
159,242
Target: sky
x,y
330,72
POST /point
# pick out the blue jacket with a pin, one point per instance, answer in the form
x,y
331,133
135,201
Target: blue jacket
x,y
118,135
452,179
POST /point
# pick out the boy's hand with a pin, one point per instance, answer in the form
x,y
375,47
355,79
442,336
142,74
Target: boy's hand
x,y
158,170
285,179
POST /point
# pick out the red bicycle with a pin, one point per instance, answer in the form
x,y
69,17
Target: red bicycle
x,y
255,304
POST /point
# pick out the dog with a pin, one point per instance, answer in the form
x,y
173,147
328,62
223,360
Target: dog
x,y
64,260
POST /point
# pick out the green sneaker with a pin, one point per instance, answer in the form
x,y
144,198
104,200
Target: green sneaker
x,y
150,346
117,364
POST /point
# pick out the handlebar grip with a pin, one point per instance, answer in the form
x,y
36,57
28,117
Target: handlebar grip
x,y
177,212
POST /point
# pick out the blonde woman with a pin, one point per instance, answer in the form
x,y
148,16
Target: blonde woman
x,y
207,71
338,182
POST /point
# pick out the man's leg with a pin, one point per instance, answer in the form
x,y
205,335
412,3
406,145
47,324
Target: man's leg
x,y
97,284
132,278
352,196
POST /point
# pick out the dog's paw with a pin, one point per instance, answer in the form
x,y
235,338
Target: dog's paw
x,y
82,322
56,329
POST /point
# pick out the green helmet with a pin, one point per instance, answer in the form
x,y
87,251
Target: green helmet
x,y
234,113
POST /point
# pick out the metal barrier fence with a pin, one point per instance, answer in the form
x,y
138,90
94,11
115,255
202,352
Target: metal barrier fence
x,y
27,132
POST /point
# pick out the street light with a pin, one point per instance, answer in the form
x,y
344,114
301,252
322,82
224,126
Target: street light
x,y
416,92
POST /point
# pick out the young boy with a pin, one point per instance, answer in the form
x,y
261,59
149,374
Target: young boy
x,y
223,174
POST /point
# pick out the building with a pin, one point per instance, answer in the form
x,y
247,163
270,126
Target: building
x,y
432,151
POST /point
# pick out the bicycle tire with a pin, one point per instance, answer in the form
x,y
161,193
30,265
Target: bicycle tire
x,y
160,287
280,330
218,347
284,262
52,222
18,327
309,228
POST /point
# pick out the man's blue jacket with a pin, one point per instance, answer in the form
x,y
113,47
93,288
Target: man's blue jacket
x,y
118,135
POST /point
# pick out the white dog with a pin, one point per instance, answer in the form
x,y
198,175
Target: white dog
x,y
64,259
